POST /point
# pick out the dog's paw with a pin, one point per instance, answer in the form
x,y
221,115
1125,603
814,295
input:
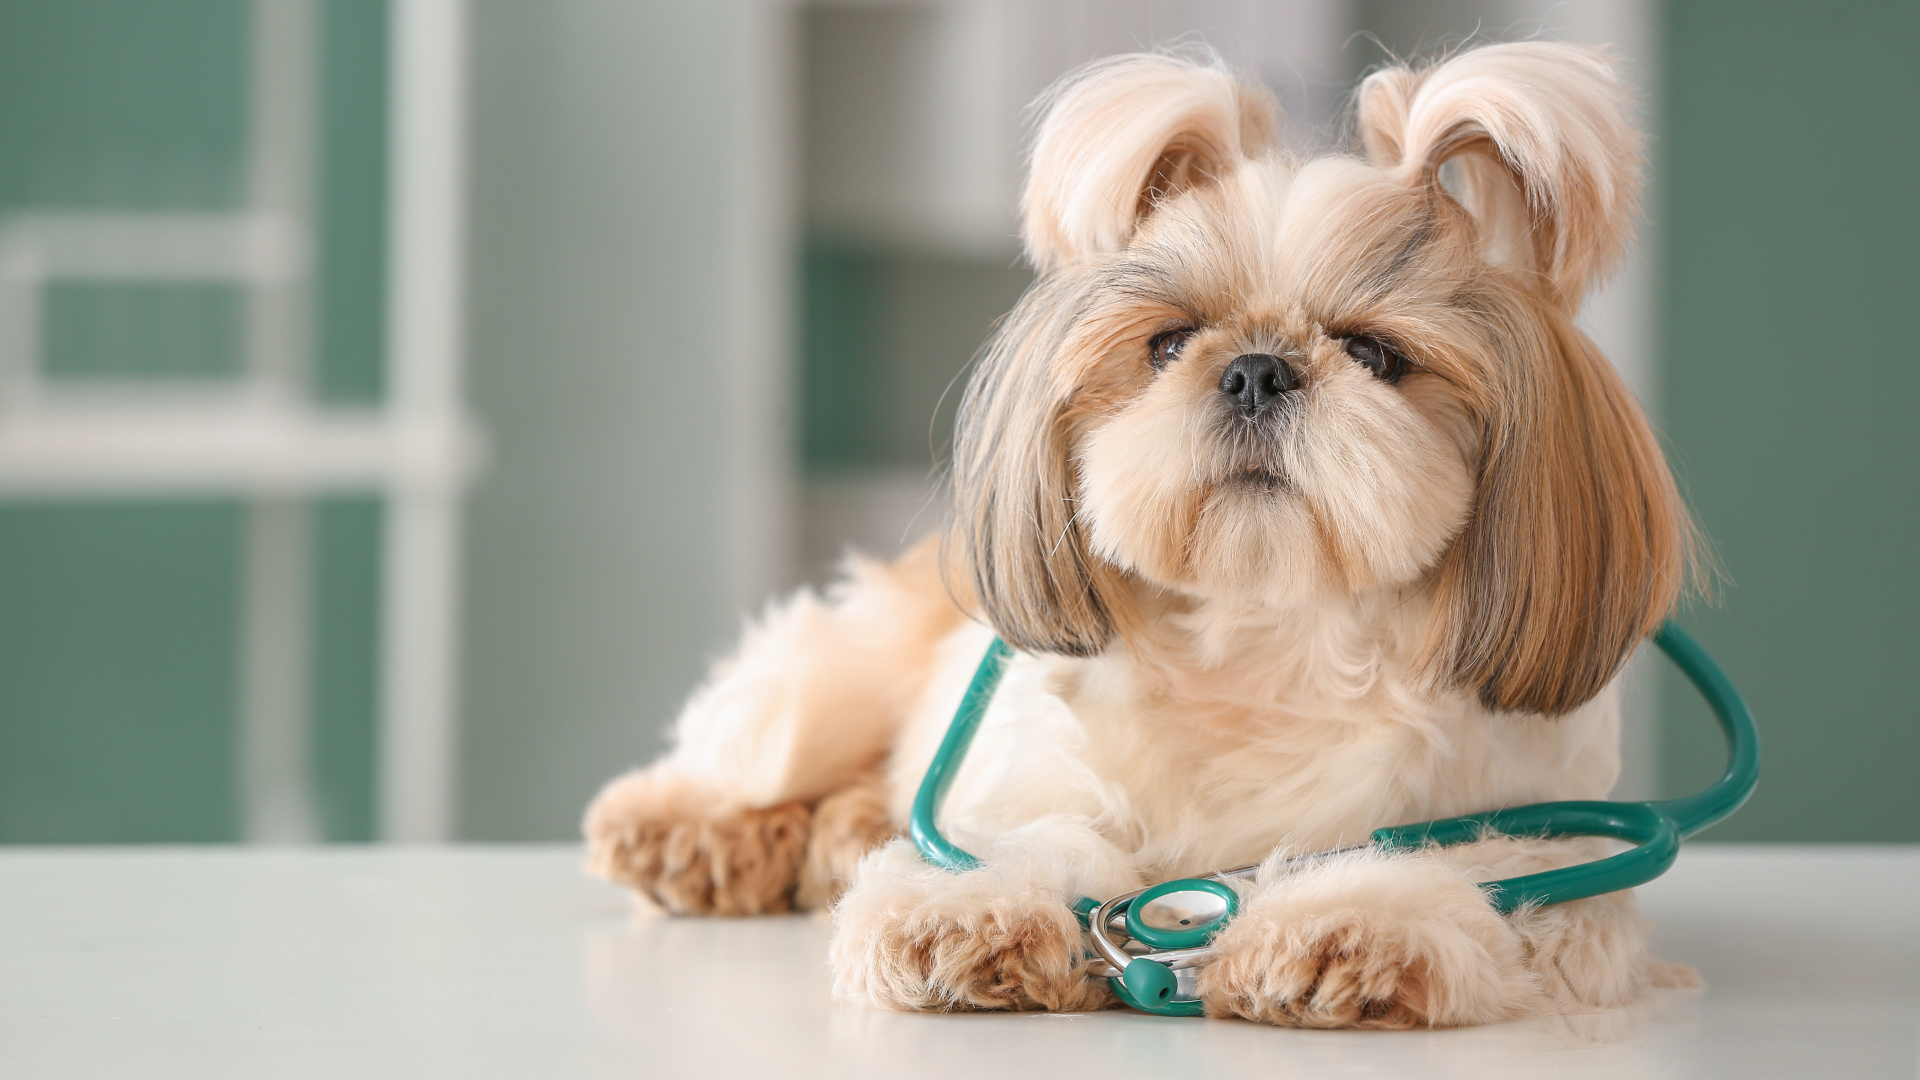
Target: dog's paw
x,y
846,825
1347,972
665,837
1371,943
907,936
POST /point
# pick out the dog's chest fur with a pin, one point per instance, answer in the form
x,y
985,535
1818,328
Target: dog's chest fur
x,y
1229,732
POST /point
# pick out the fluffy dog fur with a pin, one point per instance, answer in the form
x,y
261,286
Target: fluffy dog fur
x,y
1400,591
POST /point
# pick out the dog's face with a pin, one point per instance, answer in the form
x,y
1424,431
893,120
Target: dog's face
x,y
1270,385
1269,382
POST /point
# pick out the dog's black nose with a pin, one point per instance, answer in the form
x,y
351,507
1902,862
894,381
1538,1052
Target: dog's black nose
x,y
1255,381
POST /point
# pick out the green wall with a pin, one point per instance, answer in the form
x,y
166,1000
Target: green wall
x,y
117,652
1791,215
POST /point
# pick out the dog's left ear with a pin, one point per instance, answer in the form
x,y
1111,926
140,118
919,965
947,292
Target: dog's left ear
x,y
1577,543
1124,133
1539,149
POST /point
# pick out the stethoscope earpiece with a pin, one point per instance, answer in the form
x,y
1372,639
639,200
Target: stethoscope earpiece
x,y
1150,981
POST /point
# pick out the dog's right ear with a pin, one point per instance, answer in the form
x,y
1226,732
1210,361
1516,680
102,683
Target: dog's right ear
x,y
1116,138
1124,133
1016,553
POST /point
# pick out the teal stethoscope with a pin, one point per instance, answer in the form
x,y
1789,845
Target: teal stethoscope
x,y
1165,929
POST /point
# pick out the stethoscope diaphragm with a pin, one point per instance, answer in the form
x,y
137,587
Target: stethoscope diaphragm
x,y
1181,914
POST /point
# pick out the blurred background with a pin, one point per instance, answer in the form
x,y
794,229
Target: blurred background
x,y
401,401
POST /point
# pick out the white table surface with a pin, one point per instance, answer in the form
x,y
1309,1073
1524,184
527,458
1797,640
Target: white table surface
x,y
507,962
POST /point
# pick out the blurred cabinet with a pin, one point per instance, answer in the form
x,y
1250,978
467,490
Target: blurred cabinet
x,y
218,430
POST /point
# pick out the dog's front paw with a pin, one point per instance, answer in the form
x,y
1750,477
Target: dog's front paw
x,y
907,936
1370,943
666,837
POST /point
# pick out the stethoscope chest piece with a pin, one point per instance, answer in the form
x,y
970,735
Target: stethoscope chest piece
x,y
1181,914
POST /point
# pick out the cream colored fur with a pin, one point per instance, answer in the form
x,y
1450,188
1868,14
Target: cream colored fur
x,y
1395,599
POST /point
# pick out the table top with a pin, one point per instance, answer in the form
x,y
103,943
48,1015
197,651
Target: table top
x,y
508,962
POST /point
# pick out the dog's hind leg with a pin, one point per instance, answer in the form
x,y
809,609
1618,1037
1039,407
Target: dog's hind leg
x,y
1584,954
805,710
666,836
846,825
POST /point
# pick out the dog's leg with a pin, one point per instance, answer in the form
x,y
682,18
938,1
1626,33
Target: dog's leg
x,y
671,838
1368,941
846,825
1391,941
806,708
1584,954
910,936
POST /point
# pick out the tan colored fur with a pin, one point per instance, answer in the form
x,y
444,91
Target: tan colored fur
x,y
920,938
1384,600
846,825
670,839
1369,942
657,833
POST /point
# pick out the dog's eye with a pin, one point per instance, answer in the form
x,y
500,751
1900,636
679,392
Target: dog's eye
x,y
1165,347
1377,356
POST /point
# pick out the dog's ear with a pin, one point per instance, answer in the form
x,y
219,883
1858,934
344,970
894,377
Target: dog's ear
x,y
1124,133
1577,544
1538,149
1015,547
1115,139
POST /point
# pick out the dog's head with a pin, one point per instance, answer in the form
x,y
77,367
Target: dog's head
x,y
1250,378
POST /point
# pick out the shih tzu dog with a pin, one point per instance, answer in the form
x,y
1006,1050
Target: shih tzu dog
x,y
1306,508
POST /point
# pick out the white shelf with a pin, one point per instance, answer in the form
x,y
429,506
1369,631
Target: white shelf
x,y
119,449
